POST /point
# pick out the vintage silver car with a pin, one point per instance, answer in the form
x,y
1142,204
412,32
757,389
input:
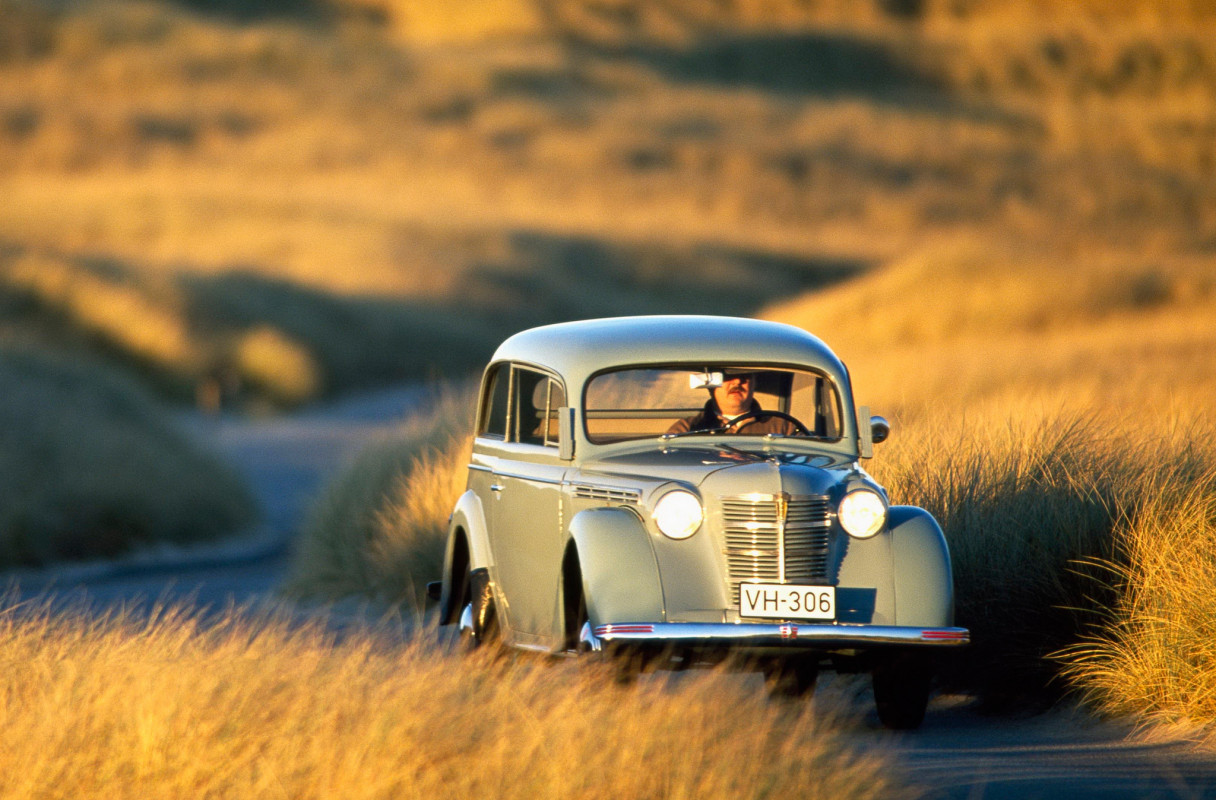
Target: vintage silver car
x,y
678,490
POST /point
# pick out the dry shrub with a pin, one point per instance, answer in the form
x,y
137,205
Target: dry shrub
x,y
281,367
127,316
411,528
91,467
169,705
1032,511
379,529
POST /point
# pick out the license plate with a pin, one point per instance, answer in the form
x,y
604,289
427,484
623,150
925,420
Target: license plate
x,y
785,601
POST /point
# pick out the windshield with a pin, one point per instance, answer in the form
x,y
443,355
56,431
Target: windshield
x,y
705,399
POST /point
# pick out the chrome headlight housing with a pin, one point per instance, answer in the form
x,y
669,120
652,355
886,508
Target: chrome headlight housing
x,y
862,513
678,514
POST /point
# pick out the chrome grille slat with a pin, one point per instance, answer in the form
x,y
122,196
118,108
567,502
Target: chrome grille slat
x,y
607,494
760,546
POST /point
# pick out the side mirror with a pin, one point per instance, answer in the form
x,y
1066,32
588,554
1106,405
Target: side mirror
x,y
880,429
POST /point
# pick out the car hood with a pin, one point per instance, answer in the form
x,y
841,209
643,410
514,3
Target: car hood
x,y
734,471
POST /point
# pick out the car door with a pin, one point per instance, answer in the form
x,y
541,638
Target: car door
x,y
526,525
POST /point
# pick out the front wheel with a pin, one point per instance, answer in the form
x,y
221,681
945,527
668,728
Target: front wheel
x,y
901,691
478,621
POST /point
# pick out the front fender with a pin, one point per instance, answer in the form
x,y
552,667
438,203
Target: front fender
x,y
468,522
924,581
620,575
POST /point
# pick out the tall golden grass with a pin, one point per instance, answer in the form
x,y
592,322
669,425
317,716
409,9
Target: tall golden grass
x,y
379,529
164,704
1153,656
1052,419
1031,511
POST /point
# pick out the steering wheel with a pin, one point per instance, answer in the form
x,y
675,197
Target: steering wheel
x,y
762,414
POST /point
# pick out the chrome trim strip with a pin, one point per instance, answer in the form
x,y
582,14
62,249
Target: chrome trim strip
x,y
480,468
531,478
781,633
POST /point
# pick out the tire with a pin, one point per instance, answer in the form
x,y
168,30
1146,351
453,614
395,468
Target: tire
x,y
478,620
901,691
791,678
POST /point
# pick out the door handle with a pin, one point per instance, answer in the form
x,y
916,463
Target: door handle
x,y
496,487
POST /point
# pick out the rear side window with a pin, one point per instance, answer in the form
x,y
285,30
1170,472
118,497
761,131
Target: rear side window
x,y
520,405
531,405
495,392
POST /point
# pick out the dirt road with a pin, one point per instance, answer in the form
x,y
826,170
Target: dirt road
x,y
958,753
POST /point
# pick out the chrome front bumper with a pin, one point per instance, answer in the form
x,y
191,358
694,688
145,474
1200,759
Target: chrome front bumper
x,y
774,634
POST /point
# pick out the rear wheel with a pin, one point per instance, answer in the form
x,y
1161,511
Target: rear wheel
x,y
901,690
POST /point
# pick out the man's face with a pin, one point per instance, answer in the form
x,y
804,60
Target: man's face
x,y
734,396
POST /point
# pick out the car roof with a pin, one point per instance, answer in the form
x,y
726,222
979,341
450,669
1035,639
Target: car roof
x,y
576,350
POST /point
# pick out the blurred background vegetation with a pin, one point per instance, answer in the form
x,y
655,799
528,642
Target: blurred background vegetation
x,y
1001,213
267,202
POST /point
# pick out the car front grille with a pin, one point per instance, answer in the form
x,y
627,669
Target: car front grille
x,y
776,539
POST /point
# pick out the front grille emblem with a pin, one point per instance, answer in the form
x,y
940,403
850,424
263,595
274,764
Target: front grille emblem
x,y
783,511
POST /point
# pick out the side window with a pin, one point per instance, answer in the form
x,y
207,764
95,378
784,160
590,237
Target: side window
x,y
494,403
531,406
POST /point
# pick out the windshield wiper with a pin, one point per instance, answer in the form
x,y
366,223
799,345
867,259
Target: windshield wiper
x,y
732,449
666,437
698,432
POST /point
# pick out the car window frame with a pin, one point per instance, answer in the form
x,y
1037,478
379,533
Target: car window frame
x,y
511,436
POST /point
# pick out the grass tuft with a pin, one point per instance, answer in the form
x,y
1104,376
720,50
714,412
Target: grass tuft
x,y
379,529
1155,656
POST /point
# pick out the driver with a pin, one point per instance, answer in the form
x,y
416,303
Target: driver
x,y
729,401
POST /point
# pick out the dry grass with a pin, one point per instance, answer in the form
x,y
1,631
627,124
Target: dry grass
x,y
1030,509
1050,416
1154,657
165,705
379,529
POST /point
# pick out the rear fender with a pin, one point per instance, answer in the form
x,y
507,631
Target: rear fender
x,y
620,575
467,525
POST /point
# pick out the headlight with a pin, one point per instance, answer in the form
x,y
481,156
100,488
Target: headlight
x,y
862,513
678,514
